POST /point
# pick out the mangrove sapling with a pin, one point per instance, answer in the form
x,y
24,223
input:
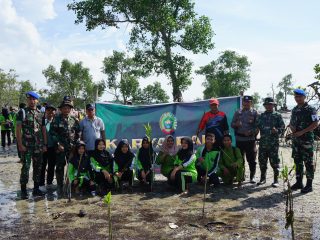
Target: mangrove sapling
x,y
148,130
107,200
205,192
289,212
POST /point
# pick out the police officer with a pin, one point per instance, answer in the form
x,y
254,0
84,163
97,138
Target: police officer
x,y
31,141
65,133
304,120
271,126
244,125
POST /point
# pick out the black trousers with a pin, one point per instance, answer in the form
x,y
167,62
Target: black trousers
x,y
148,178
5,133
102,182
249,149
127,176
49,158
213,178
179,182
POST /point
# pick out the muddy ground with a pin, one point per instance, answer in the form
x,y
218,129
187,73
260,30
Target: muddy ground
x,y
253,212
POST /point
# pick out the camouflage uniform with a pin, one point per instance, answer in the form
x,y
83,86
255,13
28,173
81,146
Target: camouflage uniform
x,y
302,147
32,138
269,142
65,132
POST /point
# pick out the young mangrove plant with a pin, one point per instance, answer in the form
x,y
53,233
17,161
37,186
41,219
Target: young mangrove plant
x,y
286,175
107,200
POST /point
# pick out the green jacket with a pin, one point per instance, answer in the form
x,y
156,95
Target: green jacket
x,y
79,171
167,163
3,122
188,166
97,167
211,160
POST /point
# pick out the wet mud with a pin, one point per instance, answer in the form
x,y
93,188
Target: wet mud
x,y
252,212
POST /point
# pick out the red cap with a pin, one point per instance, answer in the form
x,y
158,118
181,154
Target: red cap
x,y
214,101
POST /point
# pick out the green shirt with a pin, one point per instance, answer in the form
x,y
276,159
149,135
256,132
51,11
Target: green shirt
x,y
229,156
167,163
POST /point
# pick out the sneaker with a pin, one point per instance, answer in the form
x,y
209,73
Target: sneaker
x,y
93,193
43,188
252,181
306,189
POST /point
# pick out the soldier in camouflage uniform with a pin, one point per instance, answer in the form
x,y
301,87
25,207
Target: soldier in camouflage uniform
x,y
31,141
271,126
65,132
304,120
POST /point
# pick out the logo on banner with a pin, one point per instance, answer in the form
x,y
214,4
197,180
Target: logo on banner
x,y
168,123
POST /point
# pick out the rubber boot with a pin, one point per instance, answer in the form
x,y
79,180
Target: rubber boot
x,y
262,179
24,193
308,187
297,185
275,180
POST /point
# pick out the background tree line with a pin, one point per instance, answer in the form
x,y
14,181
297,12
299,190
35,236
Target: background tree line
x,y
163,33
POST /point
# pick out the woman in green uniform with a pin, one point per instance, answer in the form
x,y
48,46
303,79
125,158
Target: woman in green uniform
x,y
79,171
184,171
102,166
167,155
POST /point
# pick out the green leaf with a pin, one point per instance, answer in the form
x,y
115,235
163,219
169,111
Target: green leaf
x,y
148,130
107,198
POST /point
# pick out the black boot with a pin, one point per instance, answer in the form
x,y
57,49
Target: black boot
x,y
275,180
24,193
297,185
262,179
36,191
308,187
252,173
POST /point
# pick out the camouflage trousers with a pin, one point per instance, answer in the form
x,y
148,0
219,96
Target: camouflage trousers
x,y
35,155
269,151
302,153
61,159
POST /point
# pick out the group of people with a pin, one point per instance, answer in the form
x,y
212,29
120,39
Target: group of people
x,y
54,139
7,125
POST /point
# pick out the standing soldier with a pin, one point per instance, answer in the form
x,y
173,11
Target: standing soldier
x,y
271,126
304,120
244,125
65,133
31,140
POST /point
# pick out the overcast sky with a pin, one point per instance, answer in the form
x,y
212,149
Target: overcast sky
x,y
279,37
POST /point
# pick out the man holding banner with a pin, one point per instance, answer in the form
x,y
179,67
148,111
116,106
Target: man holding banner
x,y
215,122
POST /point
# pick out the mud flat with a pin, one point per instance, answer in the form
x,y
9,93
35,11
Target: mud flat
x,y
253,212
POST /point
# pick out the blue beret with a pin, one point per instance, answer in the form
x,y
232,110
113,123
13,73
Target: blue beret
x,y
32,94
299,92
